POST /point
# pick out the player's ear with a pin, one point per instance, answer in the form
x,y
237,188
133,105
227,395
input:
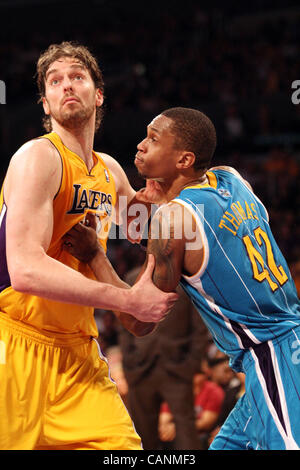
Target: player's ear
x,y
99,97
186,160
45,105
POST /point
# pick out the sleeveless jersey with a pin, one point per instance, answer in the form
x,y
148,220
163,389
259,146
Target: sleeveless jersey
x,y
243,290
80,192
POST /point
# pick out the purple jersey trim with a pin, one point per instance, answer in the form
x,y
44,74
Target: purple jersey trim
x,y
4,275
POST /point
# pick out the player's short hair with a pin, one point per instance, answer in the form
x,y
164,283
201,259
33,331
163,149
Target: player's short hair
x,y
212,362
84,56
194,132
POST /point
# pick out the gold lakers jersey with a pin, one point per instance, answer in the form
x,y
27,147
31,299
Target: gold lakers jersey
x,y
80,191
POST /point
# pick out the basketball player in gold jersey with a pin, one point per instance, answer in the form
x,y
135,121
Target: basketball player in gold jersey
x,y
55,390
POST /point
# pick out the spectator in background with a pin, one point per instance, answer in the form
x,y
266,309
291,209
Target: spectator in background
x,y
107,324
295,270
216,367
217,370
234,126
235,390
114,359
208,401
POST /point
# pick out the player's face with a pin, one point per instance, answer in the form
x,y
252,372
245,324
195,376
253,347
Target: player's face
x,y
156,156
70,94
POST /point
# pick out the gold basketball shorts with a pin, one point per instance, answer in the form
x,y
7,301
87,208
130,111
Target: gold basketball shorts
x,y
56,393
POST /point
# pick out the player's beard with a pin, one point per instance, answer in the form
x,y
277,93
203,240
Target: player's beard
x,y
73,118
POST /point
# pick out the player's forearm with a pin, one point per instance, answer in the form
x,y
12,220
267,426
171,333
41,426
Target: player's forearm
x,y
45,277
104,271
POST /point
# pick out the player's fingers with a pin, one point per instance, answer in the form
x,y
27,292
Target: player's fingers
x,y
79,228
67,238
90,220
173,297
67,246
73,232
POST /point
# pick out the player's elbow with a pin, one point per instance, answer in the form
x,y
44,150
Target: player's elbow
x,y
21,279
144,329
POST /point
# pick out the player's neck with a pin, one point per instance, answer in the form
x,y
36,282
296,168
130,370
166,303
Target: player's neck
x,y
78,140
173,188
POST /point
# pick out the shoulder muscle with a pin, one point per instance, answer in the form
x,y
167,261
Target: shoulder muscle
x,y
234,172
36,166
167,247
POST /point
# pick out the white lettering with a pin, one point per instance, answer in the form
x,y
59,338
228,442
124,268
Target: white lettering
x,y
2,92
296,354
171,459
114,460
295,95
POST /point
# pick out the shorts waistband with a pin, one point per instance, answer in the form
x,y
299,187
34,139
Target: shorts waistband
x,y
49,338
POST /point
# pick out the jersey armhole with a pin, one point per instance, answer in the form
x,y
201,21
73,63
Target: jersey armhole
x,y
62,164
107,171
204,240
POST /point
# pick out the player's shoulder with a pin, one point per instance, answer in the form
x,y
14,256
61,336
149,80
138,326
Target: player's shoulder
x,y
172,214
34,152
229,169
40,148
37,163
171,208
109,161
232,171
113,165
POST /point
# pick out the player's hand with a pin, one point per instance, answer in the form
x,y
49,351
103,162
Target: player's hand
x,y
81,241
152,193
149,303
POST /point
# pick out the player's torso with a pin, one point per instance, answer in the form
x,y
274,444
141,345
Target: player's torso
x,y
243,288
80,192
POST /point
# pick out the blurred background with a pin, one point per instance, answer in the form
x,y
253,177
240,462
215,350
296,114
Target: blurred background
x,y
236,63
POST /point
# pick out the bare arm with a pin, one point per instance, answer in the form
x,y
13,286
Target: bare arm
x,y
167,244
207,420
81,242
32,181
104,271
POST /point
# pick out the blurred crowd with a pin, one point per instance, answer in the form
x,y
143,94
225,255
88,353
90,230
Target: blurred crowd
x,y
231,65
236,68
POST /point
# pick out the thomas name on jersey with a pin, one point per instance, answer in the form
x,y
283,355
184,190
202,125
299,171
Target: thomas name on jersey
x,y
232,220
84,199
